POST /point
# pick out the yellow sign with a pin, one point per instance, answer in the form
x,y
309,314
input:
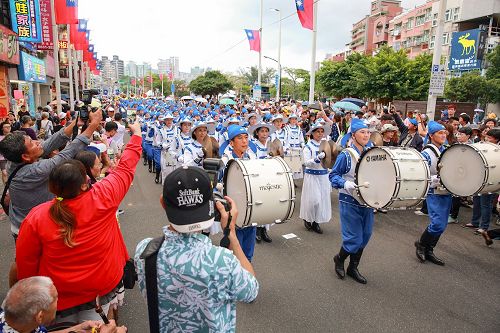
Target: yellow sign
x,y
468,45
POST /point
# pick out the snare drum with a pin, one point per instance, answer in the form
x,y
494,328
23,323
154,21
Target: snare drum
x,y
392,177
470,169
262,189
294,160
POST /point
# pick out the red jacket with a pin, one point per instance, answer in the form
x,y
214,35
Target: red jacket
x,y
95,265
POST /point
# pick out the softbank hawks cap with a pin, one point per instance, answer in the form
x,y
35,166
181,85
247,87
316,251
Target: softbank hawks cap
x,y
187,193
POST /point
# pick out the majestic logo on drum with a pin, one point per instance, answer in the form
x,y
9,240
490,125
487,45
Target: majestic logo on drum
x,y
189,197
375,158
269,187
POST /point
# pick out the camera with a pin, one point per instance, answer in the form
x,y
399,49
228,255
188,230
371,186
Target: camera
x,y
227,206
87,95
83,107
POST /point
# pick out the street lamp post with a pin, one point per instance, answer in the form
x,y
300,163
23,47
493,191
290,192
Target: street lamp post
x,y
278,88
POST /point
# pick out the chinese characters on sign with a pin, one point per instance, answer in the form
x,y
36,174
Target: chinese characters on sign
x,y
467,50
46,23
26,20
438,80
31,69
9,46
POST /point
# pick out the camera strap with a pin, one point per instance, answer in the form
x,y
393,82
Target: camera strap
x,y
225,242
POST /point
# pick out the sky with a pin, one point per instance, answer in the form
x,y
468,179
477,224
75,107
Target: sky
x,y
211,33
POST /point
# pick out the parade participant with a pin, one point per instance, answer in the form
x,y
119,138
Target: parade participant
x,y
76,235
252,119
30,306
148,142
188,264
295,140
157,147
183,139
224,133
438,204
315,205
280,133
237,146
261,137
168,133
356,220
193,154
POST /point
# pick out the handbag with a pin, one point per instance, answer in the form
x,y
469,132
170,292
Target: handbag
x,y
129,275
5,201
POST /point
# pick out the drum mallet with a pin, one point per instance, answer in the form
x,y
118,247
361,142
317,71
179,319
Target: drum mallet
x,y
365,184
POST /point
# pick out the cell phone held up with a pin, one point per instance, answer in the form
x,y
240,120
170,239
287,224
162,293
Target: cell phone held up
x,y
227,206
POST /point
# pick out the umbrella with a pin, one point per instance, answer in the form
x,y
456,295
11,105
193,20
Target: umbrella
x,y
201,100
227,101
316,106
357,101
55,102
347,106
169,98
186,98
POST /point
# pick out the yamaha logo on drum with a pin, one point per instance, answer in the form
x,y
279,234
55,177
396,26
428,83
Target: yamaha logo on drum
x,y
270,187
376,158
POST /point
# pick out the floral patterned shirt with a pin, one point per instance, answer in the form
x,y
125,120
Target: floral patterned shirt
x,y
5,328
198,284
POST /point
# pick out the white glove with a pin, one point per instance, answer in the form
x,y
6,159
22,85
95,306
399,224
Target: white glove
x,y
321,155
165,145
180,159
349,186
200,154
172,153
435,181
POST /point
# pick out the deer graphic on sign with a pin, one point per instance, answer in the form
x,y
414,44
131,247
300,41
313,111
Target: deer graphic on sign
x,y
468,45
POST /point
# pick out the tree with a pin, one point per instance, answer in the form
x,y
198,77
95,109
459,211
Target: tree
x,y
470,87
493,71
298,86
419,75
211,83
251,75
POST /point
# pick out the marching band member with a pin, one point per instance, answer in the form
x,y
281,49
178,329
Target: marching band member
x,y
260,133
315,205
193,154
356,220
239,143
168,133
183,139
438,204
150,132
295,140
280,132
157,147
223,137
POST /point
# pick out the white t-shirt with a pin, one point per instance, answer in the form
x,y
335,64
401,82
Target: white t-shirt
x,y
118,137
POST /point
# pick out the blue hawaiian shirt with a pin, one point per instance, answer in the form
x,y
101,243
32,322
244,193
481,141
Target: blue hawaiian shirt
x,y
198,284
5,328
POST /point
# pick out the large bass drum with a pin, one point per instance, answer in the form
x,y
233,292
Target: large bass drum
x,y
470,169
262,189
392,178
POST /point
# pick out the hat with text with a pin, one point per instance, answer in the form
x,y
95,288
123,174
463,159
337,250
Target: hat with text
x,y
188,198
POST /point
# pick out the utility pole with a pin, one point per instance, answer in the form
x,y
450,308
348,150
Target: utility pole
x,y
313,57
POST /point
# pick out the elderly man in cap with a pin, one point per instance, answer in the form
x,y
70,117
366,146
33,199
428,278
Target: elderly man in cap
x,y
31,304
187,264
409,136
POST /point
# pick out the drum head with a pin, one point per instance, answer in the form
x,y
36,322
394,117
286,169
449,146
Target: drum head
x,y
462,170
235,187
325,147
375,167
376,139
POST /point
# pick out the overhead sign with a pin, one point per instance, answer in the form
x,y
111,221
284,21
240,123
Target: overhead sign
x,y
31,69
438,80
467,49
26,20
9,46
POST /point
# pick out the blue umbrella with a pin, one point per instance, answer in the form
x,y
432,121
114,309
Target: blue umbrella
x,y
357,101
347,106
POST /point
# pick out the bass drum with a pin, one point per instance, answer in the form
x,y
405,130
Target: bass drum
x,y
392,178
470,169
262,189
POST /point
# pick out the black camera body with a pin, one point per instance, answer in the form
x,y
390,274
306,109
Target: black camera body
x,y
227,206
85,109
87,95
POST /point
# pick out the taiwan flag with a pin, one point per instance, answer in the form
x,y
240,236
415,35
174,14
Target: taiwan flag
x,y
254,39
66,11
305,11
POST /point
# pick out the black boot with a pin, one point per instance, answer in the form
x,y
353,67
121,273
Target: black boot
x,y
422,244
339,260
429,252
316,228
264,235
258,236
352,269
150,165
307,225
144,158
158,176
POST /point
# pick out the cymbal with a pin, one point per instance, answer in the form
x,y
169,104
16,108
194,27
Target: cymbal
x,y
275,148
210,147
336,149
326,148
376,138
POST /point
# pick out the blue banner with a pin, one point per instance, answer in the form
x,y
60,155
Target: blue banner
x,y
172,88
26,20
31,69
467,50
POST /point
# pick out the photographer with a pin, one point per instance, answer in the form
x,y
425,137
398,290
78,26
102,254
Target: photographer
x,y
75,238
188,264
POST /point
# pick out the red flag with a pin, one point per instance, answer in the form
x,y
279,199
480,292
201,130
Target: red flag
x,y
305,11
254,39
161,77
132,82
66,11
170,75
150,78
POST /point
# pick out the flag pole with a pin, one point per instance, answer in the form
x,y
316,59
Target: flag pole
x,y
162,85
259,75
55,41
313,57
70,72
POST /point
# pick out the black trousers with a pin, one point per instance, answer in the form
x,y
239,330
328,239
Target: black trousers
x,y
455,206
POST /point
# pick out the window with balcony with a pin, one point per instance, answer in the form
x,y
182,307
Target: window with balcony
x,y
419,20
409,24
456,13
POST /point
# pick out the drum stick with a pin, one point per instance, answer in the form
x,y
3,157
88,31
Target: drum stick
x,y
365,184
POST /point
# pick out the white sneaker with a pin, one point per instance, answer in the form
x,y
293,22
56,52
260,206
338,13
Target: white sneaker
x,y
419,212
479,231
452,220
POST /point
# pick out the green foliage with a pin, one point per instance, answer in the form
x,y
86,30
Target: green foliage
x,y
296,83
251,75
419,73
211,83
470,87
493,71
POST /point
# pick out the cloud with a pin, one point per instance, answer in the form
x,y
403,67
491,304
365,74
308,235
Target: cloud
x,y
200,32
